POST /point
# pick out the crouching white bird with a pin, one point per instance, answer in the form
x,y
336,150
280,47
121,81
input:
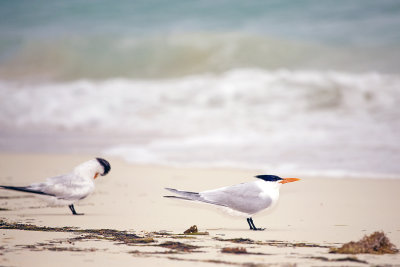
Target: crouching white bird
x,y
245,199
68,188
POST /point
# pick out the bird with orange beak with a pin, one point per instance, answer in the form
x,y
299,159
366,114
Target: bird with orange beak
x,y
245,199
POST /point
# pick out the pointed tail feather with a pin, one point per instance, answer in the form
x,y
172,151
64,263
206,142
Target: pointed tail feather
x,y
185,195
184,198
24,189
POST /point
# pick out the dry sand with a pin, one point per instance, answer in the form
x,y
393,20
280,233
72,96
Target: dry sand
x,y
312,215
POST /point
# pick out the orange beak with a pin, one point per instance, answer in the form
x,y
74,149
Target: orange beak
x,y
289,180
95,176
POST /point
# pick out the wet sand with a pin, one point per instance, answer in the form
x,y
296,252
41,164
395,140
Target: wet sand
x,y
313,215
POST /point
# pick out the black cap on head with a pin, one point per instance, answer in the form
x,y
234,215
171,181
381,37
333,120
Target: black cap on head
x,y
269,178
106,165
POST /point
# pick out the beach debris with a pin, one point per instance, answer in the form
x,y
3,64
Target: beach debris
x,y
31,227
235,250
192,230
376,243
57,245
352,259
2,250
242,240
274,243
231,263
106,234
238,240
178,246
52,247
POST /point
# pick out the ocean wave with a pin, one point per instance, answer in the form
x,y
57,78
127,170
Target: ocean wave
x,y
238,97
302,120
178,55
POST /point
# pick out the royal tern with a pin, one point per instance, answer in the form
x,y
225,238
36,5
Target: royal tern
x,y
245,199
68,188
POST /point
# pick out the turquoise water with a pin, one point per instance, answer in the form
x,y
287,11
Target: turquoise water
x,y
149,39
286,87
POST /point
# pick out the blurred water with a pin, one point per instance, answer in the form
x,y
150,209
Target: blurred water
x,y
71,40
283,86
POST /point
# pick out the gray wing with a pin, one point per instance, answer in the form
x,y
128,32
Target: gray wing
x,y
243,197
67,186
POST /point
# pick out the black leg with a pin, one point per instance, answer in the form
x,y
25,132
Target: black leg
x,y
249,222
252,226
72,208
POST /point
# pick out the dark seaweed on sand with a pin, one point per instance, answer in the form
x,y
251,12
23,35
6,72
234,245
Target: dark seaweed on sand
x,y
178,246
351,259
107,234
274,243
236,250
376,243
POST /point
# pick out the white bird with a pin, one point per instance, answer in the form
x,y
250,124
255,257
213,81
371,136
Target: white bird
x,y
245,199
68,188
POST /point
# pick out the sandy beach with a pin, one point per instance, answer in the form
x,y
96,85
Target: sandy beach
x,y
198,95
312,216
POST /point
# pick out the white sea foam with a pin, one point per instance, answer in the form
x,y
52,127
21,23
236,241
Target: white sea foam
x,y
280,121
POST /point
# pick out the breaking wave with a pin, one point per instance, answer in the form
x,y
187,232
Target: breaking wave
x,y
280,120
